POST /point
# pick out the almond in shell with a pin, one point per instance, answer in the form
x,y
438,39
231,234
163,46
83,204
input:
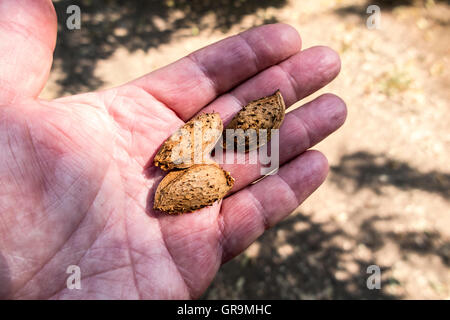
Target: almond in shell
x,y
265,113
187,190
191,144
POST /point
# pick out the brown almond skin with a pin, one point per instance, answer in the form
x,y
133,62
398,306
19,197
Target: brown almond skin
x,y
207,121
265,113
187,190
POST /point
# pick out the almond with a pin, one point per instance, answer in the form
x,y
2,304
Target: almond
x,y
190,144
265,113
190,189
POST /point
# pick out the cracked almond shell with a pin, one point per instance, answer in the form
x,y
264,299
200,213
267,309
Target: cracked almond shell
x,y
265,113
201,133
190,189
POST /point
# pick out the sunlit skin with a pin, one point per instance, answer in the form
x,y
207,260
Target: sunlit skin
x,y
76,181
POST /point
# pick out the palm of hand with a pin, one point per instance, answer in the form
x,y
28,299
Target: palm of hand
x,y
85,199
77,188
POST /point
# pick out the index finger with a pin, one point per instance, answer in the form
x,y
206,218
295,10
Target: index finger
x,y
190,83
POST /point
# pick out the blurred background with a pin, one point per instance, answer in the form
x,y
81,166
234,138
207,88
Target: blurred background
x,y
387,197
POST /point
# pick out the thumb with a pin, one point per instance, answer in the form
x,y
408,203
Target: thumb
x,y
27,39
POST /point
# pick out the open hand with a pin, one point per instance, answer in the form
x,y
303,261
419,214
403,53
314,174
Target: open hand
x,y
76,181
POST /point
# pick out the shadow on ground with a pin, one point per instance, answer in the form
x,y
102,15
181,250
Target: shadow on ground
x,y
311,269
107,25
302,259
308,272
423,243
366,170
